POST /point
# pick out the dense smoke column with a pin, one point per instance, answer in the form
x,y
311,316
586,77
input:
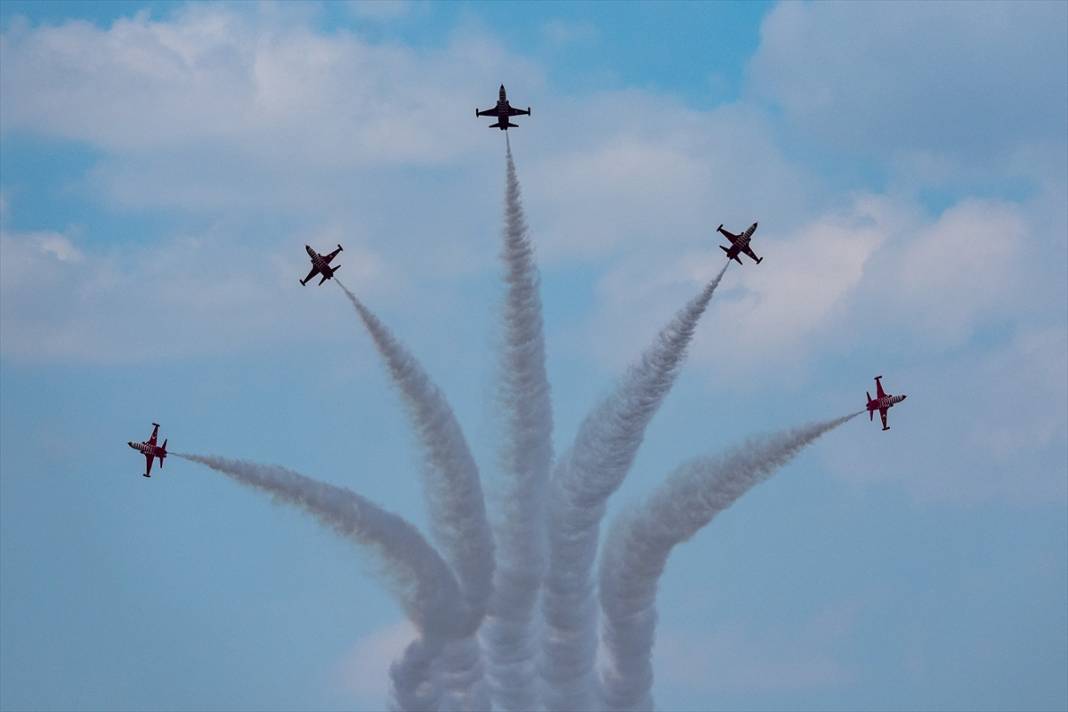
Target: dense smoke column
x,y
413,685
585,477
420,579
639,542
458,671
451,480
523,392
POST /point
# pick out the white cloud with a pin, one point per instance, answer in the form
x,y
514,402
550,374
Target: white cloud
x,y
61,300
248,118
879,269
967,80
249,85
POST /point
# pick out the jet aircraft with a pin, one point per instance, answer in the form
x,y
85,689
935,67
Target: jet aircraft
x,y
739,243
882,402
321,265
150,450
503,111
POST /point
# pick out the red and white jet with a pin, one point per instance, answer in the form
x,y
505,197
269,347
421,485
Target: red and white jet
x,y
882,402
150,450
321,264
739,243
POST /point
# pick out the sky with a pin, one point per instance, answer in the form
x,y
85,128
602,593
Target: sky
x,y
163,164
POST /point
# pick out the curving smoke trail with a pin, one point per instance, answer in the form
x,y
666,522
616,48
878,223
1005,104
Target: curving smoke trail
x,y
451,482
424,585
639,542
592,470
523,391
414,686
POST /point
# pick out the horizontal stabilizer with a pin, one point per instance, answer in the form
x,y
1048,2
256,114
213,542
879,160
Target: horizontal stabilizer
x,y
514,126
724,249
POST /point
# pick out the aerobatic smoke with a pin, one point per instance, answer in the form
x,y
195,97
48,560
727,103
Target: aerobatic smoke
x,y
420,579
464,602
451,481
639,542
585,477
526,457
413,683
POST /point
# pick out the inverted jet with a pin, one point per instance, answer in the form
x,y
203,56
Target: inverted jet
x,y
503,111
150,450
882,402
321,265
739,243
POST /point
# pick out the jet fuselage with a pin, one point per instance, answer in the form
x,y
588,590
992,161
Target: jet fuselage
x,y
885,402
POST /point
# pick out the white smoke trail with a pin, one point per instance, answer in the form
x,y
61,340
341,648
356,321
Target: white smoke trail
x,y
526,457
414,687
593,469
639,542
451,480
420,579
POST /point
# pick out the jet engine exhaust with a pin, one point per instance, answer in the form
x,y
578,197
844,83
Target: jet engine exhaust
x,y
584,479
451,480
640,541
525,460
419,578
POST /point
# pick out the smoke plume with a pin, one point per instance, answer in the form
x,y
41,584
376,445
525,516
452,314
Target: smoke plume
x,y
523,393
420,579
451,481
639,542
585,477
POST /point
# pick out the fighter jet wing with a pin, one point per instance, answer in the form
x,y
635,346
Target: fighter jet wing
x,y
512,111
152,438
879,392
148,465
486,112
882,414
314,271
752,254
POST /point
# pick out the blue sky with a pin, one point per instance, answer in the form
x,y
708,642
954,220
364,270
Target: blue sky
x,y
163,164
